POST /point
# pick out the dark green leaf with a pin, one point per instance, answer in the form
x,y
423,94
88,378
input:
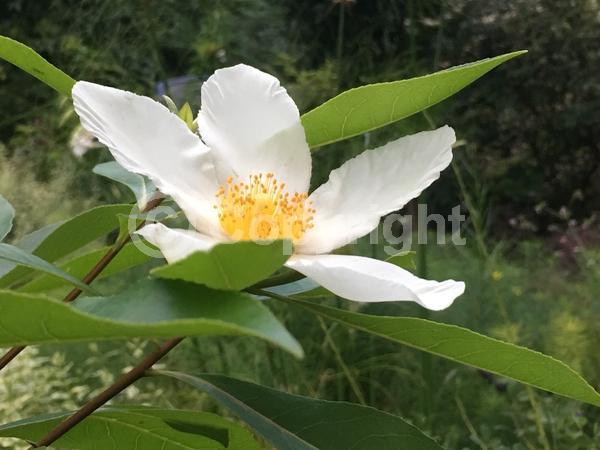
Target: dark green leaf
x,y
31,62
22,258
231,266
58,240
128,257
291,422
467,347
7,214
149,308
142,188
372,106
138,427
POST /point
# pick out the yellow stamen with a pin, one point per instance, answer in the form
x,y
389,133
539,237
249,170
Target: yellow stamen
x,y
261,209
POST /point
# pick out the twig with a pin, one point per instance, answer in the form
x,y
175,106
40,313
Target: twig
x,y
108,394
91,276
10,355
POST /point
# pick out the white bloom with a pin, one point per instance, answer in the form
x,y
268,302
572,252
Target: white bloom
x,y
247,176
82,141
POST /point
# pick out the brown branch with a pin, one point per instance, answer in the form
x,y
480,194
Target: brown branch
x,y
91,276
112,391
10,355
116,388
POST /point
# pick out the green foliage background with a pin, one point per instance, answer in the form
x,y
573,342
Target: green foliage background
x,y
529,167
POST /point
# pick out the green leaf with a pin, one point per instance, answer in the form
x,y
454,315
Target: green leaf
x,y
7,214
22,258
303,287
138,427
470,348
405,260
58,240
291,422
375,105
186,114
31,62
149,308
142,188
128,257
230,266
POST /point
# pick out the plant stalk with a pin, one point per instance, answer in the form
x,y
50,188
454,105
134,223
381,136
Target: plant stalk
x,y
88,279
108,394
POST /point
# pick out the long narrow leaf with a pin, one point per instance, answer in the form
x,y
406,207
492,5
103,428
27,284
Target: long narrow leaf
x,y
31,62
142,188
467,347
292,422
7,214
58,240
149,309
79,266
138,427
22,258
375,105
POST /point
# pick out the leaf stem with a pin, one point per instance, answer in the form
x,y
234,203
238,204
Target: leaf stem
x,y
108,394
88,279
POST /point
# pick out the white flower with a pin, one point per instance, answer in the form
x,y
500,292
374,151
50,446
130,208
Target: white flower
x,y
247,176
81,142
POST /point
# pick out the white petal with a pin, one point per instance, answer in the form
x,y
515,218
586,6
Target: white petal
x,y
174,243
370,280
253,126
373,184
146,138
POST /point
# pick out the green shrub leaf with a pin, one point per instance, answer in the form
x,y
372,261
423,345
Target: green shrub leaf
x,y
128,257
149,308
231,266
291,422
142,188
467,347
22,258
372,106
137,427
7,214
31,62
58,240
405,260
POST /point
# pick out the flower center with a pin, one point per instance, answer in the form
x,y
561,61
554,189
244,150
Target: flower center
x,y
262,209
